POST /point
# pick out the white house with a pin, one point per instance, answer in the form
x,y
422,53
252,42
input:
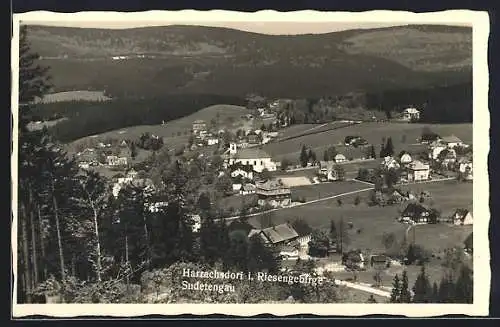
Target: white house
x,y
240,170
452,141
390,163
418,171
257,158
116,161
411,114
327,170
212,141
339,158
405,158
247,189
465,167
461,217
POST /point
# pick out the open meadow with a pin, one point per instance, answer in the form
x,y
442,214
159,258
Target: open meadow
x,y
404,136
370,223
176,132
67,96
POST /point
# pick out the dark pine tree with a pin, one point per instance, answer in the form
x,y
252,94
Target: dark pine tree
x,y
464,287
326,157
396,290
389,148
422,289
304,158
446,292
405,295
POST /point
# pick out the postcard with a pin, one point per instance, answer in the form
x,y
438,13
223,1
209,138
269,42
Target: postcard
x,y
326,163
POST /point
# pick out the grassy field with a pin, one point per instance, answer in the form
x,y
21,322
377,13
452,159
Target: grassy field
x,y
67,96
435,238
177,132
370,223
313,192
296,130
372,132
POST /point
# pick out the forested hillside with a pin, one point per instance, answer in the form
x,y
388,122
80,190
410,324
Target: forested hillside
x,y
210,60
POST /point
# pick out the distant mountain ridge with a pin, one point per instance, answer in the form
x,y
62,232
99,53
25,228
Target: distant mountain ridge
x,y
198,59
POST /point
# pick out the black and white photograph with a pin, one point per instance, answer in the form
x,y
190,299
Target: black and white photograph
x,y
281,162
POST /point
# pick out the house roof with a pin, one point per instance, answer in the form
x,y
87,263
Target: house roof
x,y
461,213
411,110
251,153
248,187
451,139
379,258
199,121
239,165
418,165
414,210
270,185
280,233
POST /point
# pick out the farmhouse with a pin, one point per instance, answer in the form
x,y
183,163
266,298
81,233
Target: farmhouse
x,y
244,171
452,141
461,217
116,161
418,171
465,168
379,262
199,126
257,158
280,235
273,193
411,114
247,189
390,163
416,213
327,170
399,196
354,259
340,158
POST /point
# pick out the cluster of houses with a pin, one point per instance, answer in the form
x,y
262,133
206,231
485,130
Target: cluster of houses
x,y
418,213
104,154
442,153
131,178
203,136
250,138
329,171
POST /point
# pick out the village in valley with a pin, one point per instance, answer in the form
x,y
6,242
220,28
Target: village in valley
x,y
418,190
137,168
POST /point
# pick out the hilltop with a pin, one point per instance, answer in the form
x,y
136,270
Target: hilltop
x,y
194,59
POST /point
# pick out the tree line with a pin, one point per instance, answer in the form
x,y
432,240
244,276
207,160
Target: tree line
x,y
89,118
